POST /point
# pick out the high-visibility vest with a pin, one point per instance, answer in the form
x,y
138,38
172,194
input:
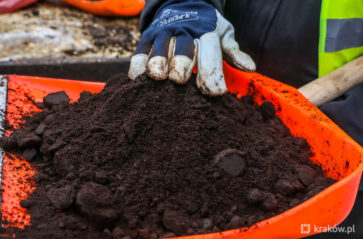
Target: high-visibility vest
x,y
341,33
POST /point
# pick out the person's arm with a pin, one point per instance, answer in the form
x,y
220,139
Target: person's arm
x,y
178,34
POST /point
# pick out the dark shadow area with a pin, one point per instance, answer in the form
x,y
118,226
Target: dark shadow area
x,y
92,69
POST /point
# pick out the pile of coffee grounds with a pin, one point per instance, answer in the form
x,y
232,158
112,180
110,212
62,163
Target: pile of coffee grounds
x,y
150,159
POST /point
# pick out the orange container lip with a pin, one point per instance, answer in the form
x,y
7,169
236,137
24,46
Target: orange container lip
x,y
338,154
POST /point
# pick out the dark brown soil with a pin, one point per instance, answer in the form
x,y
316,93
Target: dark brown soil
x,y
148,159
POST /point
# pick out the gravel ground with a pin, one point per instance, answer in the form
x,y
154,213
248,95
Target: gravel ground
x,y
56,31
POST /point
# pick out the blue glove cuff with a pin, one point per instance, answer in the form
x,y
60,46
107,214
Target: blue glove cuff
x,y
184,20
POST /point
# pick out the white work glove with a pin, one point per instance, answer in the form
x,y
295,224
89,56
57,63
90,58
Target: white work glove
x,y
183,33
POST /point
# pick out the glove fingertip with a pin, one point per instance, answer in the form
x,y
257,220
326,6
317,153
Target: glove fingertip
x,y
137,65
247,63
211,84
158,68
181,68
240,60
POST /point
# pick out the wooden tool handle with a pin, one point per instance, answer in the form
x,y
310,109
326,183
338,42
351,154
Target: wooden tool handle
x,y
334,84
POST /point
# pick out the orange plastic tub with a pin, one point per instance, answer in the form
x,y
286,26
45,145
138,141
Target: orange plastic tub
x,y
339,155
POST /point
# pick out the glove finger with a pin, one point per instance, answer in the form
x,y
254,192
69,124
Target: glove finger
x,y
183,59
138,62
158,65
231,51
210,78
137,65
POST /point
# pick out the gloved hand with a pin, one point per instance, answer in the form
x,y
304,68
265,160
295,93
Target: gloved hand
x,y
182,33
109,7
7,6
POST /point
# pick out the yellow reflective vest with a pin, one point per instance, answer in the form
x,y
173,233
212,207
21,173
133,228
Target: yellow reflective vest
x,y
341,33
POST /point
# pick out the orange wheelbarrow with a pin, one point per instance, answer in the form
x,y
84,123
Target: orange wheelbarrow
x,y
339,155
